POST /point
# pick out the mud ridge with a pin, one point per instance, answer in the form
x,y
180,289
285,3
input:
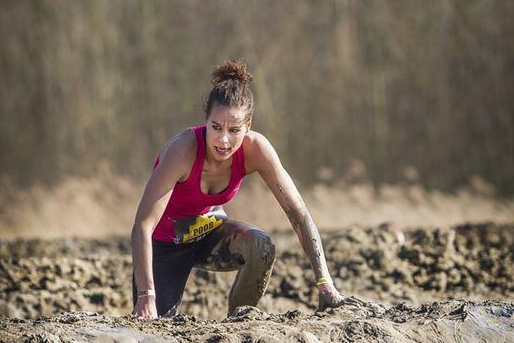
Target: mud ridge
x,y
473,262
453,321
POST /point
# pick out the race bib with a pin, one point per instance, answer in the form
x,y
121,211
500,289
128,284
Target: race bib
x,y
192,229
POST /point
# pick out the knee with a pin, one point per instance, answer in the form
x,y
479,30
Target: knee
x,y
260,246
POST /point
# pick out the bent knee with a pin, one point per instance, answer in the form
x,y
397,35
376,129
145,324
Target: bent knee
x,y
260,245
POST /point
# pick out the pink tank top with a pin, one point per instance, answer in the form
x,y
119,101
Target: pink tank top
x,y
191,214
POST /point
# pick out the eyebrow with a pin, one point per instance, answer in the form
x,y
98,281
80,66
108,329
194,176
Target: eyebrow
x,y
237,126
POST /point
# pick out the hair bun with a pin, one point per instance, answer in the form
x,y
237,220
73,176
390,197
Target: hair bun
x,y
231,70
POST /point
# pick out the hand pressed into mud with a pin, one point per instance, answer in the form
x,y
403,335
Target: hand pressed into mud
x,y
145,308
329,296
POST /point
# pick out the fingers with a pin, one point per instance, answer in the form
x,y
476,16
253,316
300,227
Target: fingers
x,y
145,309
144,313
337,300
329,299
340,301
353,301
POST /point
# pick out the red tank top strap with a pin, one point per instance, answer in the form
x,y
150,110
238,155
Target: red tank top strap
x,y
239,162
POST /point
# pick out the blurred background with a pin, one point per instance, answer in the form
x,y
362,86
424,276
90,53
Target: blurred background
x,y
396,111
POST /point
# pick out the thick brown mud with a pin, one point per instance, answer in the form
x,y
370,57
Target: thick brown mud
x,y
453,321
409,286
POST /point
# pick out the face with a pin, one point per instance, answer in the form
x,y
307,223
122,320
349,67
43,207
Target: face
x,y
226,129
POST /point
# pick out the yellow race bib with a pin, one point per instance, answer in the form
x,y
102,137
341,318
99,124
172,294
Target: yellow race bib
x,y
192,229
204,224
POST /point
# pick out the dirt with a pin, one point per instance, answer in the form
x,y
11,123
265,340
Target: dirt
x,y
454,321
450,284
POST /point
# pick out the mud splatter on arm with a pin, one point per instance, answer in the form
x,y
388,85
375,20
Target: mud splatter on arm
x,y
304,226
263,158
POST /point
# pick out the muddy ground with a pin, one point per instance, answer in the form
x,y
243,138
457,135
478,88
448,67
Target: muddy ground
x,y
450,284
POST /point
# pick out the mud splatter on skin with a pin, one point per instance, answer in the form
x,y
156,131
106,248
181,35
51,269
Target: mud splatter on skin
x,y
307,232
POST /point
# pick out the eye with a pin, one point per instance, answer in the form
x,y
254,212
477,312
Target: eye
x,y
235,130
216,127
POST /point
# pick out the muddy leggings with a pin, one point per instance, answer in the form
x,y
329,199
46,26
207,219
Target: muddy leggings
x,y
233,246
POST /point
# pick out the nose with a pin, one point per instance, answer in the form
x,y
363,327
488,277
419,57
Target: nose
x,y
224,138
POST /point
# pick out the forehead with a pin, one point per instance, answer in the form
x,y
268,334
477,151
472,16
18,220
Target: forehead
x,y
224,114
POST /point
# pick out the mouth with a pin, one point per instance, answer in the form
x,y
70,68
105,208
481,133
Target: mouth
x,y
223,151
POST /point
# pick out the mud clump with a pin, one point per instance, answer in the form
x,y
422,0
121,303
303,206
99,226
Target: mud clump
x,y
475,262
464,261
468,261
439,321
409,280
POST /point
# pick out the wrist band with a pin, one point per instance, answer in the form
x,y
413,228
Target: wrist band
x,y
322,281
147,293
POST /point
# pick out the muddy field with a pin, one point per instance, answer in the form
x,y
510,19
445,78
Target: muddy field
x,y
451,284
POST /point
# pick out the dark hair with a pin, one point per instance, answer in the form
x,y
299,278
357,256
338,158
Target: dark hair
x,y
231,81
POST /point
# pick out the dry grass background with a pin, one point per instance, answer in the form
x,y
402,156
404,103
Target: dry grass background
x,y
398,85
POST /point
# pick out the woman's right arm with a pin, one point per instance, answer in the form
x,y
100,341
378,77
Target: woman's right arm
x,y
175,163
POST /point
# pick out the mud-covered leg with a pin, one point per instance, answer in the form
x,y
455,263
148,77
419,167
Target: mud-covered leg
x,y
240,246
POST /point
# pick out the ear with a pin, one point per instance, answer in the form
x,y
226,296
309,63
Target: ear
x,y
248,124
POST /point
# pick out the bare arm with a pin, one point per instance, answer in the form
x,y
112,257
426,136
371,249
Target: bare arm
x,y
287,195
174,164
294,207
266,162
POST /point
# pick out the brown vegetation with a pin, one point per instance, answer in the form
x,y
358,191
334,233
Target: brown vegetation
x,y
407,89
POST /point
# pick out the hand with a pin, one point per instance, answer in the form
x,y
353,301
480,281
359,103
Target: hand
x,y
330,297
145,308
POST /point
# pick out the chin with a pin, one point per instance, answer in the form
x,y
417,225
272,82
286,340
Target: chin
x,y
220,157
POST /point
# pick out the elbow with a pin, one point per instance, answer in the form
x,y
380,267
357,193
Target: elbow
x,y
140,231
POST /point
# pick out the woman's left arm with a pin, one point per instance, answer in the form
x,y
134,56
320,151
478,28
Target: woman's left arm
x,y
268,164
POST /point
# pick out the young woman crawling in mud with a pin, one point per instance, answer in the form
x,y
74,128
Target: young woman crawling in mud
x,y
180,222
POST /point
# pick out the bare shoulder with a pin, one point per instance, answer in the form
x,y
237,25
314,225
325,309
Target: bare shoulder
x,y
256,144
179,152
258,152
184,141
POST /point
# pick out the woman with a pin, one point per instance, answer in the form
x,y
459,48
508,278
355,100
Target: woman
x,y
180,223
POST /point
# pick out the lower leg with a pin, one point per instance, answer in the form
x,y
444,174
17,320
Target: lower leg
x,y
253,276
239,246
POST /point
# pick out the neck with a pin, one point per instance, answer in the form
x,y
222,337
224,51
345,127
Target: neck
x,y
210,161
